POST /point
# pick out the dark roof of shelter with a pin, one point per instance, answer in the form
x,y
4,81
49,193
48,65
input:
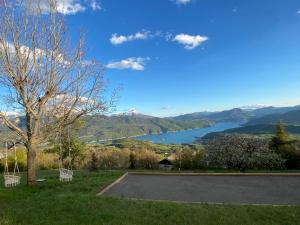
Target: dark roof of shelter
x,y
166,162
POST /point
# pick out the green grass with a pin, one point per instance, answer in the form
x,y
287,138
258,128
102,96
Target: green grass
x,y
52,202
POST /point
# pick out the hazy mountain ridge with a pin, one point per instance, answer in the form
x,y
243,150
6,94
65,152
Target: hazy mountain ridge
x,y
233,115
265,124
291,118
273,110
243,114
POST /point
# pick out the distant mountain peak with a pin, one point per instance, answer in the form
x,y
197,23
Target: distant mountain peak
x,y
254,107
129,112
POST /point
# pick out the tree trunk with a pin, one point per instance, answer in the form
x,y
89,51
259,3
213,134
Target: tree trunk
x,y
31,163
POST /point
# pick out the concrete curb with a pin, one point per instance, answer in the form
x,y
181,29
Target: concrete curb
x,y
210,203
214,174
111,185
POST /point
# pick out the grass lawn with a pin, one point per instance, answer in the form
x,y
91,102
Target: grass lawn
x,y
52,202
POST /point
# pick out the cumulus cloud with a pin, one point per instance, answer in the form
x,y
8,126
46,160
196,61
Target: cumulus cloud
x,y
134,63
32,54
65,7
189,41
120,39
182,2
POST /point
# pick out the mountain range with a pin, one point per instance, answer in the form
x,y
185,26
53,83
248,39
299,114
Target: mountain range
x,y
259,120
233,115
241,115
253,120
288,118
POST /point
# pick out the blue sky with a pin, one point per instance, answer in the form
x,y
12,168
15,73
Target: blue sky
x,y
179,56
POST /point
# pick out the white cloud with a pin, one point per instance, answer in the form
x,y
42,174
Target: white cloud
x,y
134,63
168,36
65,7
190,42
95,5
182,2
120,39
68,7
32,54
13,114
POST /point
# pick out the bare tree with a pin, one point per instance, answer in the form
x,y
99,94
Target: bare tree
x,y
44,75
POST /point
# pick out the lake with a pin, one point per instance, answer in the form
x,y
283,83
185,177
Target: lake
x,y
185,136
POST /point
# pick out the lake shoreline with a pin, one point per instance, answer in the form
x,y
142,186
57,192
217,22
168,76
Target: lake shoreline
x,y
145,134
186,136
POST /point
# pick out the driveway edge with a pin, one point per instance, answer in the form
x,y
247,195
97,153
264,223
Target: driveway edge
x,y
214,174
112,184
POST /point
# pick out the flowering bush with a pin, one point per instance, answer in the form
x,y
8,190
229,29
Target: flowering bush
x,y
237,152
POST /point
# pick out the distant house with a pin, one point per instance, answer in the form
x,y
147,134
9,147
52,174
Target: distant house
x,y
166,164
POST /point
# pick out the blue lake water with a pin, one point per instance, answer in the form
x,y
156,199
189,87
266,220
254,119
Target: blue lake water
x,y
185,136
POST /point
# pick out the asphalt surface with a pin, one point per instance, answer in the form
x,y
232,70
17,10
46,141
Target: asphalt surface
x,y
276,190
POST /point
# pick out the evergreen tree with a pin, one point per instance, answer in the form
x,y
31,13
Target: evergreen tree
x,y
281,137
283,146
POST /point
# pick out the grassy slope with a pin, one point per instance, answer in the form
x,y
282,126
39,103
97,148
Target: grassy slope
x,y
75,203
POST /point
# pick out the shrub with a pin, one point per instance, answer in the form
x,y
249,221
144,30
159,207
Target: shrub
x,y
109,158
189,158
237,152
77,152
21,158
93,163
184,159
146,159
132,160
293,156
47,161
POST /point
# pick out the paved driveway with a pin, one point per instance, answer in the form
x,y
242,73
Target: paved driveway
x,y
278,190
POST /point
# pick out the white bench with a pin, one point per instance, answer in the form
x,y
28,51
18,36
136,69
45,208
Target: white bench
x,y
65,175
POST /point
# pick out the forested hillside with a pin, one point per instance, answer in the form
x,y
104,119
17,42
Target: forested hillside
x,y
97,128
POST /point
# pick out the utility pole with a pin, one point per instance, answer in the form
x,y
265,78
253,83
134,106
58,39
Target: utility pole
x,y
180,152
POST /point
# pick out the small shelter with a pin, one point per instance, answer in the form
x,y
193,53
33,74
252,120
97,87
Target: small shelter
x,y
166,164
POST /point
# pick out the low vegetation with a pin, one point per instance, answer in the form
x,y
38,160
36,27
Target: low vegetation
x,y
236,152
